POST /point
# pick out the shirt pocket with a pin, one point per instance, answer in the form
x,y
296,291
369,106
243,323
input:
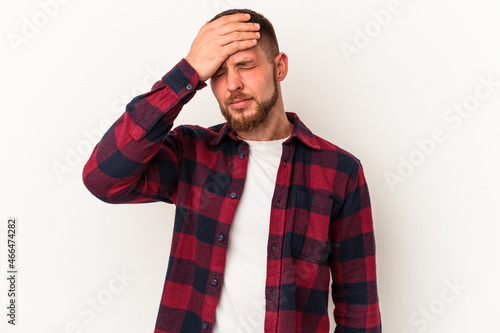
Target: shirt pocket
x,y
311,224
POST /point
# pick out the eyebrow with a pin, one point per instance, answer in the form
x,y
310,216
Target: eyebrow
x,y
244,62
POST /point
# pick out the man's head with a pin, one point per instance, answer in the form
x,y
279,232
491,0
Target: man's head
x,y
246,84
268,41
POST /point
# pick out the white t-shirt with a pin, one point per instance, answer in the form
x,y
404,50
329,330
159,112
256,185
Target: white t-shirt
x,y
242,305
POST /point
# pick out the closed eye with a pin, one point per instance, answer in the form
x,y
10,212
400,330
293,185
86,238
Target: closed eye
x,y
221,72
218,74
248,68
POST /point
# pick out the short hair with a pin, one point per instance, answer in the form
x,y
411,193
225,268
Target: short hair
x,y
267,40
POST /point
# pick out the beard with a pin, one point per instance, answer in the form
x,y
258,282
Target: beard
x,y
246,123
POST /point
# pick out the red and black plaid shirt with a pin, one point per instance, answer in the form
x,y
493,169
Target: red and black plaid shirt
x,y
321,220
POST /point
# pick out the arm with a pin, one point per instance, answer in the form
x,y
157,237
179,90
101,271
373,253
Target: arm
x,y
352,262
125,165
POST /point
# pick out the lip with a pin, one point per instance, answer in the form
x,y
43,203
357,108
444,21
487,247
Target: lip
x,y
240,103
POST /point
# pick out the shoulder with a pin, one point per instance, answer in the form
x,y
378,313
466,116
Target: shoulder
x,y
332,154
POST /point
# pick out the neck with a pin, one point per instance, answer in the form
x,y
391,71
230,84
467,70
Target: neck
x,y
275,127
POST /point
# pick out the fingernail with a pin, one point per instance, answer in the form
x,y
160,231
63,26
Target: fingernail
x,y
257,25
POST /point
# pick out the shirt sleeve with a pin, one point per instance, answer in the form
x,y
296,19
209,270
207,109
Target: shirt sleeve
x,y
352,261
125,165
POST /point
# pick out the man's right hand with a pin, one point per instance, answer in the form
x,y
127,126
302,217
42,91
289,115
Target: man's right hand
x,y
219,39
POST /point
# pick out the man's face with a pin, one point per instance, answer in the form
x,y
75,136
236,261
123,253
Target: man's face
x,y
246,88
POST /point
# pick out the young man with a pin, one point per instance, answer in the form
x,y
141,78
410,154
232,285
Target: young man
x,y
265,210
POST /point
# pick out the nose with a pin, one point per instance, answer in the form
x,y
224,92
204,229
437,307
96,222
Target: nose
x,y
233,81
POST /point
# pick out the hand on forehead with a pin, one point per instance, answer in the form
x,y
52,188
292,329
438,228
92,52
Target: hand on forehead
x,y
218,40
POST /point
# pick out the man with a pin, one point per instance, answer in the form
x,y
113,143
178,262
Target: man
x,y
265,210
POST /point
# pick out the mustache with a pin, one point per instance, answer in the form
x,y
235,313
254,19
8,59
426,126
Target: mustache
x,y
236,96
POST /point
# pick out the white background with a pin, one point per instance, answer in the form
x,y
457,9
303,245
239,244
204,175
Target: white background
x,y
436,226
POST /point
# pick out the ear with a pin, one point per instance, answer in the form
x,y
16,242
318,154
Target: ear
x,y
281,63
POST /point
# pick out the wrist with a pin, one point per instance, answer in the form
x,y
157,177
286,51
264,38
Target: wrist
x,y
193,65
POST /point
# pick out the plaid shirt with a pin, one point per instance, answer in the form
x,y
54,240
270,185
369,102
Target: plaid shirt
x,y
321,221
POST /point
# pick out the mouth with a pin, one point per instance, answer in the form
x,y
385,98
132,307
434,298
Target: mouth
x,y
240,103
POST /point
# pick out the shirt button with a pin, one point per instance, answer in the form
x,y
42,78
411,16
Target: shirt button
x,y
278,204
189,86
241,156
215,282
274,248
205,326
233,195
221,238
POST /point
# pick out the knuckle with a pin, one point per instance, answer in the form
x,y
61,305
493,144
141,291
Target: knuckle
x,y
234,46
235,25
204,31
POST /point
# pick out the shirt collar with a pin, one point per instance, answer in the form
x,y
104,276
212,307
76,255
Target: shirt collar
x,y
300,131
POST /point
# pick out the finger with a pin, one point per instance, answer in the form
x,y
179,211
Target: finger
x,y
238,37
237,26
236,46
